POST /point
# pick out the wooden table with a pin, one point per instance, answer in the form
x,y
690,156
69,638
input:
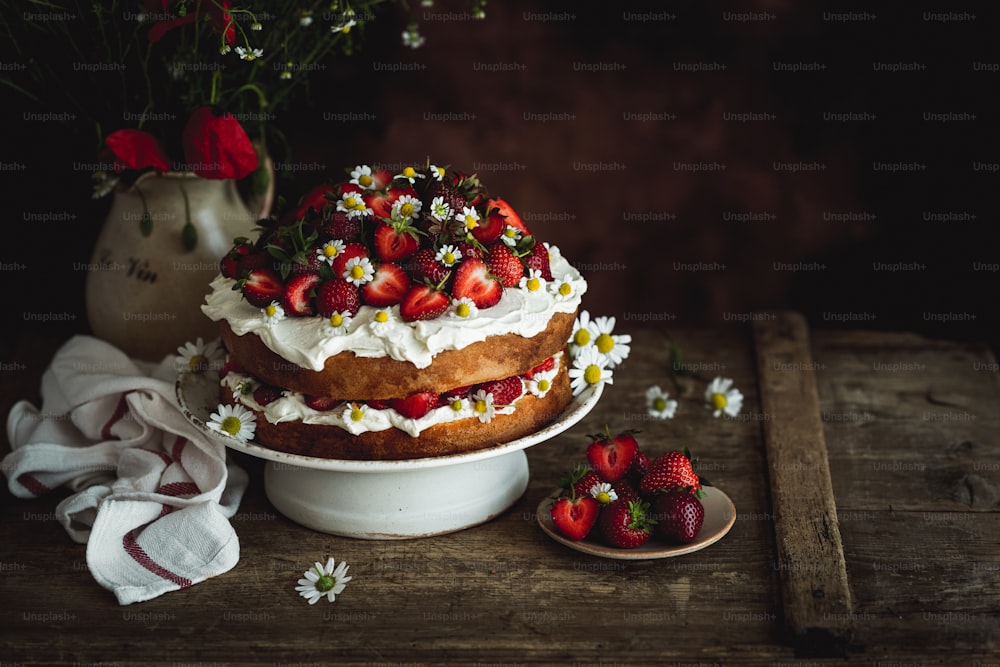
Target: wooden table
x,y
911,454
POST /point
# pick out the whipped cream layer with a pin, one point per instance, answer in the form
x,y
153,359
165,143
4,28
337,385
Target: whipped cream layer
x,y
292,407
306,342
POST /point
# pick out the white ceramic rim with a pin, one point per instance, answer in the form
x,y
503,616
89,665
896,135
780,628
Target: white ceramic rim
x,y
578,408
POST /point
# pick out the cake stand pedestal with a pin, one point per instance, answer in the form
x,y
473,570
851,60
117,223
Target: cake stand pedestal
x,y
387,500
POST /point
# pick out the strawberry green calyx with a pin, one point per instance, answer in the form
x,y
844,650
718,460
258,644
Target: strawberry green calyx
x,y
639,516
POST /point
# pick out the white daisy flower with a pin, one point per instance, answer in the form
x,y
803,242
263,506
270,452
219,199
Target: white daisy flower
x,y
199,356
406,207
354,412
581,338
463,309
330,250
273,312
248,54
409,174
353,205
381,322
540,383
412,37
615,348
448,255
562,290
234,420
603,493
437,173
589,370
305,18
511,235
659,404
533,281
337,324
323,581
361,176
243,389
344,27
440,211
722,397
358,271
468,217
482,405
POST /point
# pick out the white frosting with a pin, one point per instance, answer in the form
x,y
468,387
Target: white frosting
x,y
292,407
305,342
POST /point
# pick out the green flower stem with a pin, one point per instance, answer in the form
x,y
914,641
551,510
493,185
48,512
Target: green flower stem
x,y
189,234
146,220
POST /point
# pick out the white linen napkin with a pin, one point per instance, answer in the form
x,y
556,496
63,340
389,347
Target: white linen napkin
x,y
153,495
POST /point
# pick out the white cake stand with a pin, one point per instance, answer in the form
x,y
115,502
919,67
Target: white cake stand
x,y
387,500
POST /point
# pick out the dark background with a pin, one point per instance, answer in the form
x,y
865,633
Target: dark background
x,y
639,220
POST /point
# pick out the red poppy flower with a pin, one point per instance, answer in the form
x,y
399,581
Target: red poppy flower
x,y
216,145
135,149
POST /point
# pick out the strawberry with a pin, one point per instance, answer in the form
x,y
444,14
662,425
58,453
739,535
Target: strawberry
x,y
230,265
396,241
265,394
339,226
298,296
574,517
473,280
626,524
261,287
546,365
639,467
381,202
424,268
669,472
321,403
423,302
589,480
377,404
350,250
256,259
490,228
337,296
625,490
468,250
679,517
611,457
510,215
505,391
416,405
538,259
230,366
504,265
387,287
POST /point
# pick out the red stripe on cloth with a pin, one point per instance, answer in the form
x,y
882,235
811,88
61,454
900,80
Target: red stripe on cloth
x,y
178,449
179,489
140,556
31,483
163,456
116,416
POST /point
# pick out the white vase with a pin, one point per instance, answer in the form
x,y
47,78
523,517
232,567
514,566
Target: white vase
x,y
155,256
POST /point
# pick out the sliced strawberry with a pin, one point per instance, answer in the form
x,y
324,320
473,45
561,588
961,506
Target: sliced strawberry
x,y
423,302
575,517
538,259
321,403
350,250
261,287
316,199
473,280
380,202
395,242
546,365
504,265
231,366
424,268
416,405
266,394
510,215
337,296
387,287
381,178
612,457
490,228
377,404
505,391
298,296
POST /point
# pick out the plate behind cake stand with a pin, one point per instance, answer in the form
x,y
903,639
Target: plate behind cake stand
x,y
386,499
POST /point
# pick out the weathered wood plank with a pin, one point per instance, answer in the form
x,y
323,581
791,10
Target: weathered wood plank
x,y
816,597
